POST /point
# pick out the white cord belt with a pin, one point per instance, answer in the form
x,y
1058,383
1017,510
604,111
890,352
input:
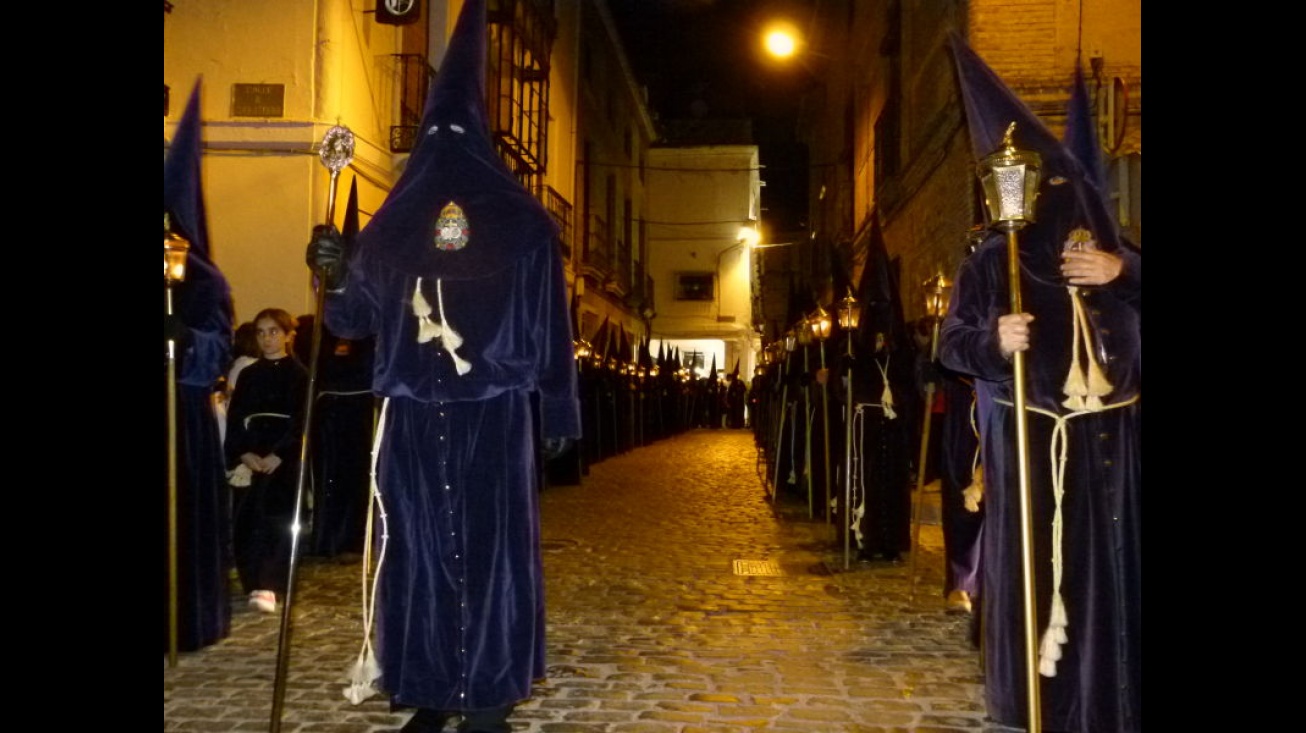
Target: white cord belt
x,y
1054,636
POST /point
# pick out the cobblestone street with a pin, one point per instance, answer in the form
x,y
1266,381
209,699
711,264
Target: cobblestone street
x,y
680,600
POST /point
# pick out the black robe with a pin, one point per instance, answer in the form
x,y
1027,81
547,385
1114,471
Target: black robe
x,y
266,416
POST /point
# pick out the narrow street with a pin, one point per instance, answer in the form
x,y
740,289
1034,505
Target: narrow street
x,y
680,600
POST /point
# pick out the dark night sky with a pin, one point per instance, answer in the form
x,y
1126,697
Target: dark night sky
x,y
704,57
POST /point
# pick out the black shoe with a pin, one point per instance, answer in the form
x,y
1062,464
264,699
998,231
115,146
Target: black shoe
x,y
426,720
493,720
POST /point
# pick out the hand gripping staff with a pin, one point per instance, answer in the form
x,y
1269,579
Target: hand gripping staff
x,y
336,152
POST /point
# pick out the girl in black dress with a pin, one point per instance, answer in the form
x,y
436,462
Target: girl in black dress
x,y
264,429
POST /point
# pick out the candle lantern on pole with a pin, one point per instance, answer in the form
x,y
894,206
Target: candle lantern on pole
x,y
1010,178
175,249
936,290
820,322
850,315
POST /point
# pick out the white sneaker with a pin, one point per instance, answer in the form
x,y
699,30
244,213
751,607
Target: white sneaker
x,y
263,600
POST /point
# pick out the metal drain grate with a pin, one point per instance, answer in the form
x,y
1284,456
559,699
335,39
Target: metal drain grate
x,y
757,567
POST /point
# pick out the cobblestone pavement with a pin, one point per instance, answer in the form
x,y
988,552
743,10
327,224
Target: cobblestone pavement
x,y
680,600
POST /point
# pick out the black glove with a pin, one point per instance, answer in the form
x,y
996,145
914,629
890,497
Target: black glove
x,y
175,330
326,257
551,448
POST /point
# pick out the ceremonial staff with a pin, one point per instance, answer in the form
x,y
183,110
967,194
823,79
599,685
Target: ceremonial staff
x,y
1010,178
821,329
850,316
937,289
174,271
336,152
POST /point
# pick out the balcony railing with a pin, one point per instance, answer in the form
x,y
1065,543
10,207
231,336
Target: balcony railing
x,y
413,77
560,208
597,257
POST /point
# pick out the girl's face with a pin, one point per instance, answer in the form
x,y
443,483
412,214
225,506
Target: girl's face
x,y
271,339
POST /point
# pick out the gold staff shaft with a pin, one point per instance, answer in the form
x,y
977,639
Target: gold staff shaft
x,y
1026,521
846,514
825,421
172,486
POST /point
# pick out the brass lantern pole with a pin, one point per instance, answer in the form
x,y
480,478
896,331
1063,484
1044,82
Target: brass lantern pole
x,y
1010,178
821,329
174,271
937,290
849,318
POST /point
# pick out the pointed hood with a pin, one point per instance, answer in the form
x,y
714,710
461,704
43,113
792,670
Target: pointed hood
x,y
203,299
1080,137
991,107
1068,198
879,296
457,211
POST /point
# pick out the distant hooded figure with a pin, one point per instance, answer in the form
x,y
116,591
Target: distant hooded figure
x,y
459,278
1081,333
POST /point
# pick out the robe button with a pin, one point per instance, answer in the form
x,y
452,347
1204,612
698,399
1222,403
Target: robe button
x,y
1100,436
1107,462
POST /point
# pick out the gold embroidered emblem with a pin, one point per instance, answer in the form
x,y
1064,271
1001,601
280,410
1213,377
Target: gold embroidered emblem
x,y
452,229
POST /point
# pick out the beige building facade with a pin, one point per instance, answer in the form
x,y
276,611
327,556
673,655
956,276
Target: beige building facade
x,y
704,201
568,117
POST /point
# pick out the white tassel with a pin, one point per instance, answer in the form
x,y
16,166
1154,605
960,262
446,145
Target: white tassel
x,y
886,396
362,675
426,328
451,338
974,493
1058,618
856,526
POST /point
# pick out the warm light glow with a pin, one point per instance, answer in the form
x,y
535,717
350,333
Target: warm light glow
x,y
174,257
749,236
937,292
780,43
820,322
850,313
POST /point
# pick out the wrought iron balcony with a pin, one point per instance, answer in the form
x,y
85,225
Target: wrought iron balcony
x,y
413,77
560,208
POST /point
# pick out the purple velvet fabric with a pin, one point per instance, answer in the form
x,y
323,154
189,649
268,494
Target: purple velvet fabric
x,y
461,605
203,302
1098,682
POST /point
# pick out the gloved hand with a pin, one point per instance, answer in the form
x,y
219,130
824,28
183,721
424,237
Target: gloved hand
x,y
326,257
551,448
175,330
